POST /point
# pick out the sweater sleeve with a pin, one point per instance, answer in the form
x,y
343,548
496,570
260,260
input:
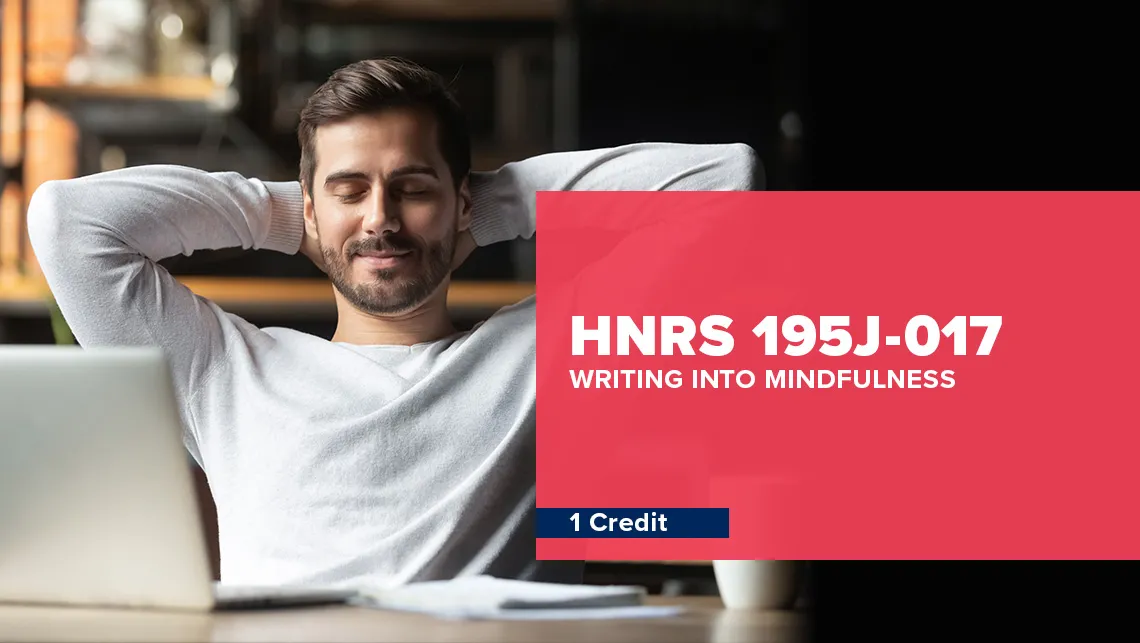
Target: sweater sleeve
x,y
98,240
503,201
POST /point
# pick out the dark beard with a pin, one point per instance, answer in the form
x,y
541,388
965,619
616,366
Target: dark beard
x,y
391,292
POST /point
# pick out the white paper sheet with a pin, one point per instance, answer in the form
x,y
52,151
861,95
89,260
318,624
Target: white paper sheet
x,y
561,614
577,614
484,597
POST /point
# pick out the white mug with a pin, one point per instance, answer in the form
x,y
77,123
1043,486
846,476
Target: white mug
x,y
757,584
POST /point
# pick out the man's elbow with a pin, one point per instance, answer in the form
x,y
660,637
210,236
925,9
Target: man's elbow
x,y
46,215
744,171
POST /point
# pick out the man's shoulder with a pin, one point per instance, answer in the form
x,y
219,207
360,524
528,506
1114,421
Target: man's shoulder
x,y
516,317
522,311
522,308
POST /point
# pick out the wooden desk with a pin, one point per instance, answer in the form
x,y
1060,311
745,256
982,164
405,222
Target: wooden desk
x,y
706,621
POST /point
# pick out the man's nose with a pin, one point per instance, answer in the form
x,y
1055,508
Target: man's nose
x,y
381,216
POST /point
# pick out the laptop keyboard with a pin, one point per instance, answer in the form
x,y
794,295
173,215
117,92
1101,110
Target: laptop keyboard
x,y
244,596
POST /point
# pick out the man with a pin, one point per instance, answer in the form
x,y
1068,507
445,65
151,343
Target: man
x,y
400,450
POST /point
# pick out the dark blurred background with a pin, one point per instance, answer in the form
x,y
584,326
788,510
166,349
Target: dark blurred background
x,y
94,85
833,95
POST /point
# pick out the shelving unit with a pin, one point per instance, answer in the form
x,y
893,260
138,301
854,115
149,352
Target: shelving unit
x,y
203,90
281,298
38,128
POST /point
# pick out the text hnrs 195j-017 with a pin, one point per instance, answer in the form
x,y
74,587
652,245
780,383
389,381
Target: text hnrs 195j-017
x,y
676,335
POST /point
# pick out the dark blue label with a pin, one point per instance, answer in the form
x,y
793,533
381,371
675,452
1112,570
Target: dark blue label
x,y
632,523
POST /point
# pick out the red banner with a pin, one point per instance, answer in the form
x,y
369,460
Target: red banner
x,y
863,375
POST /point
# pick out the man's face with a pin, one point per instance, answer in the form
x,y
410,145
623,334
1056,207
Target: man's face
x,y
384,209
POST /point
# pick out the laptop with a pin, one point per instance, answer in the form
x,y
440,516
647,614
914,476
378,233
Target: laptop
x,y
97,499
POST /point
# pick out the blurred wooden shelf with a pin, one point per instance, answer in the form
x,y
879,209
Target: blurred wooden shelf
x,y
154,88
280,297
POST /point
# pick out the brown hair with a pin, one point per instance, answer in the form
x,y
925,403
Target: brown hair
x,y
371,86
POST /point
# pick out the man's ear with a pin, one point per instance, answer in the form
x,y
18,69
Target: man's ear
x,y
310,216
464,196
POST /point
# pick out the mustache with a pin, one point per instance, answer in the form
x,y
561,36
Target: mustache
x,y
387,243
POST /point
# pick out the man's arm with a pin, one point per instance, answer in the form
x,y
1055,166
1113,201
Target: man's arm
x,y
503,201
99,238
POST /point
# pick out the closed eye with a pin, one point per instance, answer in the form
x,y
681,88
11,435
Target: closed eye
x,y
350,198
414,192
